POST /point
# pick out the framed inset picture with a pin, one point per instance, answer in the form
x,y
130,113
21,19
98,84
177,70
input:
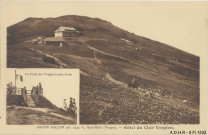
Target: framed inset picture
x,y
42,96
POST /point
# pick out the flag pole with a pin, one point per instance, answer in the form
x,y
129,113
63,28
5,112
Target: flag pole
x,y
15,83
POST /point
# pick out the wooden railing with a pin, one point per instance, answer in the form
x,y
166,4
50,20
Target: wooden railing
x,y
35,92
18,91
34,95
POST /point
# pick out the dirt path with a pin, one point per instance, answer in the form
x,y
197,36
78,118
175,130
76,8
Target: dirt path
x,y
19,115
96,50
59,115
124,59
96,59
175,104
56,60
115,81
48,111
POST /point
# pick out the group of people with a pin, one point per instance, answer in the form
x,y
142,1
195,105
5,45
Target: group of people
x,y
38,89
10,89
72,105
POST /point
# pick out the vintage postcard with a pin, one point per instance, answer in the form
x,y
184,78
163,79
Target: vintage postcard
x,y
110,67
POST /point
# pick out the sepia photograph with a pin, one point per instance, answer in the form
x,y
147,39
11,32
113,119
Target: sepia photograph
x,y
42,97
140,63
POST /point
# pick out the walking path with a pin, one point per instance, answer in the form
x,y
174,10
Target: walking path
x,y
141,64
48,111
56,60
175,104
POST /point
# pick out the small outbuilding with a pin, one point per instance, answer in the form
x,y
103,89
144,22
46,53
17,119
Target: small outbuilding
x,y
54,40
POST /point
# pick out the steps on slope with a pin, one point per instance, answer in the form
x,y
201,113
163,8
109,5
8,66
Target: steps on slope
x,y
30,101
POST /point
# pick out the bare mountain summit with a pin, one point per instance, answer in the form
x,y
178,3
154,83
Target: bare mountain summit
x,y
110,60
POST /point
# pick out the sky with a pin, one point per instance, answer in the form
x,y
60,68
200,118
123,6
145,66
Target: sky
x,y
179,24
55,88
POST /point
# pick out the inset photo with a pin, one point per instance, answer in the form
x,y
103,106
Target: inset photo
x,y
42,96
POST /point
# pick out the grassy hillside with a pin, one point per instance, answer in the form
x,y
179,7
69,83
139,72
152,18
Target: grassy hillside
x,y
17,115
107,64
45,113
